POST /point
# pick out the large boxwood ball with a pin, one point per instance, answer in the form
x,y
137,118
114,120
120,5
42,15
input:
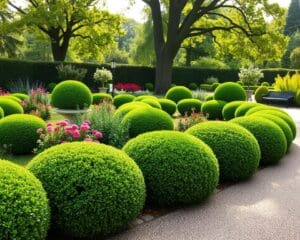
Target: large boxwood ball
x,y
24,206
127,107
244,108
121,99
178,93
209,97
187,106
178,168
21,96
100,97
270,138
213,109
19,132
143,120
229,92
1,113
229,109
259,92
236,149
11,97
262,107
168,106
93,189
142,97
10,106
71,94
152,102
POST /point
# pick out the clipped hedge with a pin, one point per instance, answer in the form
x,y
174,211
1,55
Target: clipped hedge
x,y
71,94
262,90
19,132
263,107
244,108
178,168
10,106
25,213
229,109
21,96
178,93
213,109
271,139
99,97
236,149
143,120
142,97
152,102
93,189
209,97
187,106
127,107
229,92
121,99
168,105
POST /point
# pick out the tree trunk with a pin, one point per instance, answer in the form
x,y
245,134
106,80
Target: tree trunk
x,y
188,57
59,52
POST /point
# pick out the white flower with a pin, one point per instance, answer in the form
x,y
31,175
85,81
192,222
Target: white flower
x,y
250,76
102,75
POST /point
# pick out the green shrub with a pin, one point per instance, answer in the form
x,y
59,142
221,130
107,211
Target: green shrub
x,y
262,90
152,102
229,109
149,87
71,94
240,82
213,109
193,86
51,86
236,149
10,106
297,98
206,87
270,137
168,106
127,107
253,88
21,96
211,80
1,113
11,97
178,93
173,85
25,213
214,86
244,107
121,99
229,92
282,124
93,189
143,120
99,97
209,97
142,97
178,168
261,108
19,132
187,106
265,84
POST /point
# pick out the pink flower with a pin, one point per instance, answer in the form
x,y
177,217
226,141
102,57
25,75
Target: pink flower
x,y
62,123
40,130
49,124
97,134
76,134
85,127
49,129
87,122
88,139
42,136
96,141
74,127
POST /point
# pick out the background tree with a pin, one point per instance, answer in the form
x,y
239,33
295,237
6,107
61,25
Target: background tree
x,y
292,19
295,58
294,42
199,17
65,20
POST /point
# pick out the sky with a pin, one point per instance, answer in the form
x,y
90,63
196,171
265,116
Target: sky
x,y
136,11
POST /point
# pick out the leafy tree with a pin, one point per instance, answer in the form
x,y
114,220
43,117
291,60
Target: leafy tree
x,y
295,58
190,18
294,42
65,20
292,19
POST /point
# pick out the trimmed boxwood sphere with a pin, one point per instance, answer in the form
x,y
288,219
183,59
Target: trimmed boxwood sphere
x,y
21,96
270,137
186,105
127,107
11,97
282,124
213,108
193,86
121,99
229,109
71,94
243,108
93,189
236,149
143,120
265,84
262,108
209,97
10,106
18,132
259,92
1,113
142,97
168,106
229,92
178,168
99,97
24,206
152,102
178,93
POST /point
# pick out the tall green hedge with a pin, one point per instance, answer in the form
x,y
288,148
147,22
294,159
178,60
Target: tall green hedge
x,y
45,72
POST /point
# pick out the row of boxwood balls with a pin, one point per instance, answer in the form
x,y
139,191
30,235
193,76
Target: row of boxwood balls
x,y
97,190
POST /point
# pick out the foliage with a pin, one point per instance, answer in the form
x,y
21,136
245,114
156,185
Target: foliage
x,y
229,109
10,106
178,93
295,58
170,180
121,99
152,102
229,92
100,97
244,108
103,75
127,107
71,94
297,98
142,97
288,82
250,75
51,86
69,71
21,96
23,86
18,133
294,42
96,179
149,87
262,90
168,106
209,63
270,137
25,212
292,18
128,87
236,149
146,119
187,106
206,87
213,109
211,80
192,86
1,113
265,84
209,97
186,121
